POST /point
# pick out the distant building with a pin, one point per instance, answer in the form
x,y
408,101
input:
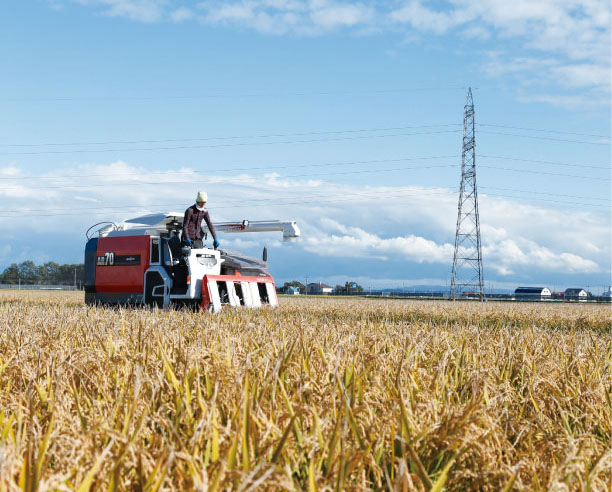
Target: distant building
x,y
576,294
292,290
607,296
557,295
319,288
532,293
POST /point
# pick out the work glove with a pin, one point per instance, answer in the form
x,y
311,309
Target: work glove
x,y
188,241
216,243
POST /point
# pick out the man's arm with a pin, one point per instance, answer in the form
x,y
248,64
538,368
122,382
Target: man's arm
x,y
188,214
211,228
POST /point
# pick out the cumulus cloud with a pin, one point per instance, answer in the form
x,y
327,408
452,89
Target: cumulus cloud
x,y
502,255
350,241
507,255
412,228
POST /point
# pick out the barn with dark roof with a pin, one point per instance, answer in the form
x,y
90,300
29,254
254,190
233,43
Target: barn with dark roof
x,y
531,293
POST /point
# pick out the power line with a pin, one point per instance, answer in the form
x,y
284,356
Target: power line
x,y
229,95
545,193
366,171
278,199
165,183
370,195
273,135
375,193
607,168
545,173
298,134
561,132
537,137
230,137
552,201
240,144
295,166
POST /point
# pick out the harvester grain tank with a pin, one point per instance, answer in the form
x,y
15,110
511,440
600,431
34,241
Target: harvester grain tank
x,y
141,261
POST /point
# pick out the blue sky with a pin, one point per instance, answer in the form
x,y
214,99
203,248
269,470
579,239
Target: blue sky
x,y
345,116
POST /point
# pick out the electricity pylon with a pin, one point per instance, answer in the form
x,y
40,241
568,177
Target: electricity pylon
x,y
467,260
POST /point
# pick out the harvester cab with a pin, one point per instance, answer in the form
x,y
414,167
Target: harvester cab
x,y
141,261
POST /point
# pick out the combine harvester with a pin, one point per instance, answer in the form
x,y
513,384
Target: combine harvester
x,y
141,261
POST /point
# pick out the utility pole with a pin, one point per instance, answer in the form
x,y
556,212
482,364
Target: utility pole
x,y
75,278
467,260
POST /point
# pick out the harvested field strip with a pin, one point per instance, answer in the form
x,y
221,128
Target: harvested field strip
x,y
316,395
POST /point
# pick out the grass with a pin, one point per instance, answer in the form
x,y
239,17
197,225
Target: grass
x,y
334,394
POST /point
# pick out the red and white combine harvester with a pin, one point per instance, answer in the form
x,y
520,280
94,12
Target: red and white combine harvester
x,y
141,261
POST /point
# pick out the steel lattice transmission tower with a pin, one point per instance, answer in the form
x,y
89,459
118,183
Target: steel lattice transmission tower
x,y
467,260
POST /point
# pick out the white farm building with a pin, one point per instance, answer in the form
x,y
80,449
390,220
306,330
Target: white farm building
x,y
531,293
576,294
319,288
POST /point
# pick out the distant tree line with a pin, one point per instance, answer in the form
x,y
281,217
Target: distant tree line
x,y
348,287
49,273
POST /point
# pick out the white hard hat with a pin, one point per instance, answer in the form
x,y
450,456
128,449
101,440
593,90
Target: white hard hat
x,y
202,197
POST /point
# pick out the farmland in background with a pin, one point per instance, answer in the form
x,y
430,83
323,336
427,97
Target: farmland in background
x,y
319,394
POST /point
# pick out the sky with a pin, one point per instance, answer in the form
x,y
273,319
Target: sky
x,y
344,116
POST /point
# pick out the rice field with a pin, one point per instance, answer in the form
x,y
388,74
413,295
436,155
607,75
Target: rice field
x,y
317,395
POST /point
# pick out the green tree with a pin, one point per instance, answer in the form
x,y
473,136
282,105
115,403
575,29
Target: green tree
x,y
49,272
28,273
11,275
301,287
352,287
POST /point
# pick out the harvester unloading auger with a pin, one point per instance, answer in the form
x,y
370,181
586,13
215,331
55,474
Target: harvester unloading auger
x,y
141,261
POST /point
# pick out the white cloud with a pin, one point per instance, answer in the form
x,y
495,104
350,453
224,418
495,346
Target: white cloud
x,y
550,71
331,16
573,35
477,32
10,171
86,199
356,242
411,226
504,256
181,14
423,18
281,16
138,10
583,75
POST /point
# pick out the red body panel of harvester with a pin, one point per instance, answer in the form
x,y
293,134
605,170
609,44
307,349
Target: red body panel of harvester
x,y
121,264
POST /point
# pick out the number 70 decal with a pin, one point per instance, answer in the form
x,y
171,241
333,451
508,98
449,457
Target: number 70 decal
x,y
107,259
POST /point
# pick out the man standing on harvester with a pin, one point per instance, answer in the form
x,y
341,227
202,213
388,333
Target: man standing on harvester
x,y
192,223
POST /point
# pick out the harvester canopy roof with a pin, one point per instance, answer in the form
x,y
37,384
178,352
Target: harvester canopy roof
x,y
160,223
